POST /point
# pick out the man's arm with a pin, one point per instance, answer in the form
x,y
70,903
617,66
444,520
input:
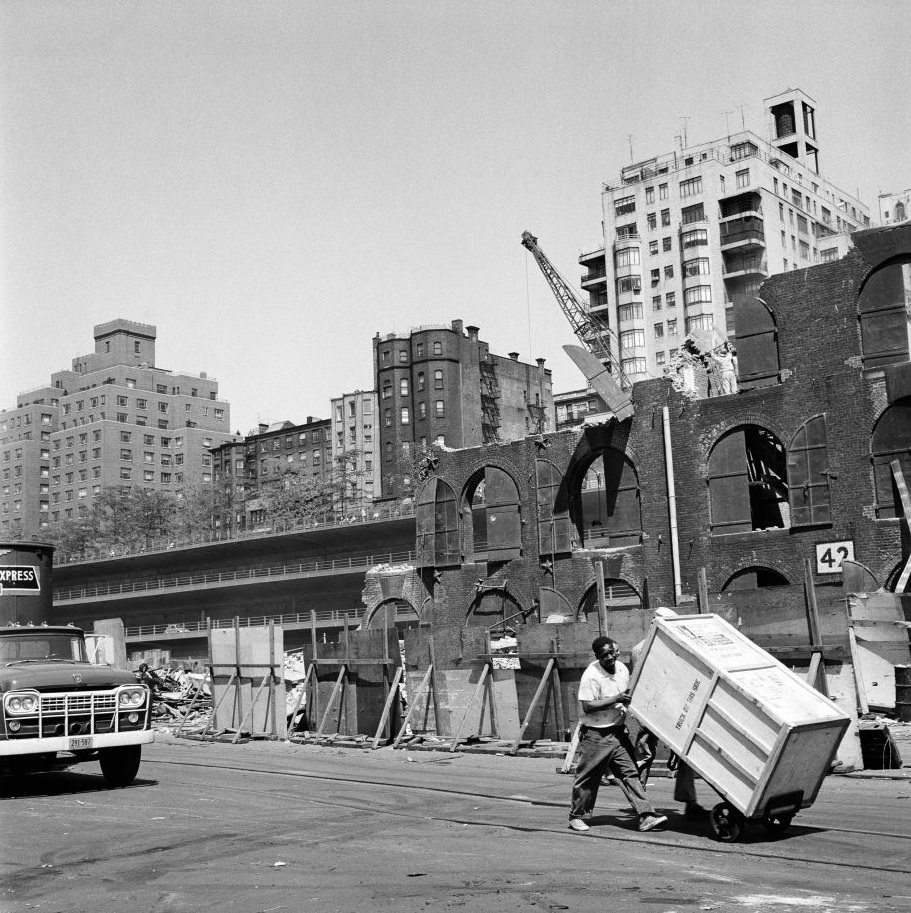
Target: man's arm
x,y
621,697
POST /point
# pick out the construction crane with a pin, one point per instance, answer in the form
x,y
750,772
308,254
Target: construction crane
x,y
597,360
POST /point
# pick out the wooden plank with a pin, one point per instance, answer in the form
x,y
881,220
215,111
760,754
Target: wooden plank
x,y
567,764
336,689
250,709
602,598
390,697
545,678
478,689
412,705
702,592
812,610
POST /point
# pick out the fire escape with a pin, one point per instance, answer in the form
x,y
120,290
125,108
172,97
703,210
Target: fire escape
x,y
490,406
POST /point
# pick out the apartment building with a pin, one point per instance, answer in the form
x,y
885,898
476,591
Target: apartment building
x,y
113,419
262,462
687,231
442,385
355,448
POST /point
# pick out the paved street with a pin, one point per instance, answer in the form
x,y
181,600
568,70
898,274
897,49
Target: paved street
x,y
267,827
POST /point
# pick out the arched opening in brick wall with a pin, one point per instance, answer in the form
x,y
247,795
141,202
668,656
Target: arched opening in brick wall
x,y
747,482
608,511
808,474
394,612
496,611
882,308
437,526
491,499
891,441
618,595
754,578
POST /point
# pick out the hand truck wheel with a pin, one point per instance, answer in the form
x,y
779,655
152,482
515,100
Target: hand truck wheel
x,y
727,822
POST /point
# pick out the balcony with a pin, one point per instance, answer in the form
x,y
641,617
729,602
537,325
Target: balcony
x,y
594,277
745,233
744,268
738,205
592,256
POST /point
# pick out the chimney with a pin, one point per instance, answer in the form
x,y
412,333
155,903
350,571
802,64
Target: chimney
x,y
472,333
262,427
514,356
457,327
309,419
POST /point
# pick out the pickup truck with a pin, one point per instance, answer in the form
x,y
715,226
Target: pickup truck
x,y
57,708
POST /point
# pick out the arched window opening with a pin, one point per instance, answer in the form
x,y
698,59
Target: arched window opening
x,y
757,344
753,578
808,474
497,612
554,526
747,482
891,441
492,498
399,613
618,595
610,515
882,309
437,525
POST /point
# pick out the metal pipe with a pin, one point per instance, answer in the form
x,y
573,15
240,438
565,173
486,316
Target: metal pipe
x,y
672,504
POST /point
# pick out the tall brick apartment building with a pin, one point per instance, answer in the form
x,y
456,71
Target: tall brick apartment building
x,y
797,465
443,385
113,419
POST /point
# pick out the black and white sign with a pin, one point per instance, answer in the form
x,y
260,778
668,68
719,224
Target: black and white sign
x,y
831,555
19,579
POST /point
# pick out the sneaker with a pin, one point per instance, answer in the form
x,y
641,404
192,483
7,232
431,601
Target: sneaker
x,y
650,822
577,824
695,810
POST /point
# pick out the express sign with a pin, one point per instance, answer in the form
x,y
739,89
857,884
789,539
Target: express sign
x,y
19,578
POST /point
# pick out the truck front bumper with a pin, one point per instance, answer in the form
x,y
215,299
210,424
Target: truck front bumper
x,y
12,747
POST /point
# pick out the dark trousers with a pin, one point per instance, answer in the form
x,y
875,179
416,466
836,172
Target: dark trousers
x,y
601,750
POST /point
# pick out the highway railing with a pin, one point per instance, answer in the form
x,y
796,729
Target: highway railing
x,y
303,568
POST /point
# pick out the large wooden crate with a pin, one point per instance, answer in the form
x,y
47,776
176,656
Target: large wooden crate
x,y
754,731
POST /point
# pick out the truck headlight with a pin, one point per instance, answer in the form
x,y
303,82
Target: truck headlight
x,y
21,702
131,697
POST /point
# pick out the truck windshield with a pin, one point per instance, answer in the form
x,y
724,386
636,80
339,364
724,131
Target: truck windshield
x,y
42,646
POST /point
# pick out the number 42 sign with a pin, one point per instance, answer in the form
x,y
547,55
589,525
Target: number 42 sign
x,y
831,555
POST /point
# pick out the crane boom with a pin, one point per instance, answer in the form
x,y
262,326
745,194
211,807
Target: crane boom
x,y
593,333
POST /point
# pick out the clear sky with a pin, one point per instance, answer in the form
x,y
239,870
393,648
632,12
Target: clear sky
x,y
272,183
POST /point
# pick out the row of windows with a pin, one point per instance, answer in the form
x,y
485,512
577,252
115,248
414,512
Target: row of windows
x,y
421,384
436,349
439,408
141,404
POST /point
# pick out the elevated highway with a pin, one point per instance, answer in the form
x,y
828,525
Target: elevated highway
x,y
168,596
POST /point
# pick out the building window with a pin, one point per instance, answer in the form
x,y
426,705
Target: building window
x,y
665,217
691,187
439,408
651,221
690,214
438,379
126,455
659,330
662,191
438,348
699,322
628,256
403,386
632,339
125,472
387,391
629,285
698,294
655,276
649,194
666,244
422,410
406,415
624,205
653,247
742,178
696,267
387,418
633,365
659,358
694,237
672,327
166,478
669,271
420,381
148,475
656,303
630,311
403,357
419,350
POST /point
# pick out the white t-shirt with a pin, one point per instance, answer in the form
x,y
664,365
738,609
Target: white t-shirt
x,y
597,685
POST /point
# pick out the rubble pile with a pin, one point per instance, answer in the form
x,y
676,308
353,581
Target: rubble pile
x,y
179,698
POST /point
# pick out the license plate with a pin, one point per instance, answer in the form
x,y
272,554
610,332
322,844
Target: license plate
x,y
80,743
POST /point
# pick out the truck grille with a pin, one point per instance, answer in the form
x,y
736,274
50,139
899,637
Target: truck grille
x,y
78,713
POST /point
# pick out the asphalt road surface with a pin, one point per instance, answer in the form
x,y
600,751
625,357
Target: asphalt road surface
x,y
268,827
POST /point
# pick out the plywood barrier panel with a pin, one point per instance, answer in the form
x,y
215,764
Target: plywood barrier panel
x,y
244,693
571,644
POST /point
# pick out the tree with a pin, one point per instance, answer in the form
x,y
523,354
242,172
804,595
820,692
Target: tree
x,y
201,507
298,499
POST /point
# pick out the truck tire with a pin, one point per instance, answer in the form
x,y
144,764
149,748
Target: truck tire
x,y
120,765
